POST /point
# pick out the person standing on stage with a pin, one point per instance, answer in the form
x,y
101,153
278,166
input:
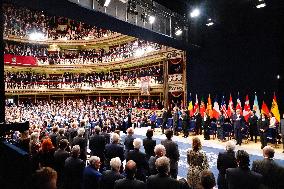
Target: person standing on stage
x,y
263,126
165,120
184,118
198,123
153,119
175,121
238,123
252,121
206,126
220,126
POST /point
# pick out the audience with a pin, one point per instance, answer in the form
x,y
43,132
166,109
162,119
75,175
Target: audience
x,y
207,180
45,178
91,174
160,151
114,150
149,144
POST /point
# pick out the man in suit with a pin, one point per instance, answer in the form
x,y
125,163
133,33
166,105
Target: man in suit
x,y
137,156
239,124
225,160
97,145
91,174
172,153
198,126
82,142
54,135
160,151
162,179
242,177
175,121
113,150
106,134
128,141
129,182
165,120
252,121
73,169
185,126
269,169
263,125
149,144
110,176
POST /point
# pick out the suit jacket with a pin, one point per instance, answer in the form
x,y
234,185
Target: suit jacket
x,y
263,124
114,150
226,160
129,184
97,145
165,117
141,163
171,152
91,178
149,145
107,137
270,172
238,178
73,172
128,143
238,122
53,137
82,142
162,181
108,179
59,160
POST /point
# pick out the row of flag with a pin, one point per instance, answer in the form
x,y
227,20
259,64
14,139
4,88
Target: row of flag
x,y
215,111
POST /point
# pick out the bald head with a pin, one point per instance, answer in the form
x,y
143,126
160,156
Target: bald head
x,y
130,169
268,152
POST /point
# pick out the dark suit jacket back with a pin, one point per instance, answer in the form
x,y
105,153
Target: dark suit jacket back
x,y
226,160
171,152
73,172
114,150
141,162
97,145
162,181
108,179
129,184
149,145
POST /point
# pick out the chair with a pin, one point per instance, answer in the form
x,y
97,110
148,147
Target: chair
x,y
159,122
170,123
228,130
213,129
192,125
179,127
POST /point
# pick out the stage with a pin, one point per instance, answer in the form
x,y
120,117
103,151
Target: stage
x,y
211,147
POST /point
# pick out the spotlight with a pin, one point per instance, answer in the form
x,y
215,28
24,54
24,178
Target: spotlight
x,y
195,13
261,5
178,31
278,76
210,22
36,36
152,19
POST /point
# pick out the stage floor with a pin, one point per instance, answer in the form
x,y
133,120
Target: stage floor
x,y
211,147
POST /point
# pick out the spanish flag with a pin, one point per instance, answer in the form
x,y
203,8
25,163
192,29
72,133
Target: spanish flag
x,y
190,106
264,108
274,109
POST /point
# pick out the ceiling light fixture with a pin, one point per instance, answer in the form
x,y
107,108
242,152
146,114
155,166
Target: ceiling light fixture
x,y
152,19
178,31
195,13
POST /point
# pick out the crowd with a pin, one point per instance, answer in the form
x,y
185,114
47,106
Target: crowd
x,y
22,22
88,56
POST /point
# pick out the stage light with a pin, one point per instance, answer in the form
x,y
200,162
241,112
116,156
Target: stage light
x,y
107,2
152,19
178,31
260,5
37,36
278,76
210,22
195,13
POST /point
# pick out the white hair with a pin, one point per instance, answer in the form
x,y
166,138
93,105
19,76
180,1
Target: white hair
x,y
81,131
115,137
230,145
160,150
137,143
75,150
94,159
163,164
34,137
115,163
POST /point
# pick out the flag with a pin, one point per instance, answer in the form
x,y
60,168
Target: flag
x,y
256,107
246,112
216,110
264,108
196,105
209,106
230,107
239,105
190,107
274,109
202,107
223,107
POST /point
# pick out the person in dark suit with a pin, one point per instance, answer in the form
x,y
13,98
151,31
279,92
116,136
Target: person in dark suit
x,y
149,144
128,141
172,153
263,125
206,126
53,135
113,150
110,176
137,156
91,174
72,132
239,124
225,160
160,151
269,169
198,126
162,179
82,142
175,121
60,156
184,123
129,182
242,177
207,180
60,136
97,145
252,122
106,134
165,120
73,169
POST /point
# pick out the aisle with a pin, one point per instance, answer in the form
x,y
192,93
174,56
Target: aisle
x,y
211,148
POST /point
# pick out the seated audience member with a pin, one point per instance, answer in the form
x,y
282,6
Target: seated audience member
x,y
82,142
45,178
91,174
113,150
225,160
73,169
149,144
163,178
137,156
207,180
268,168
160,151
242,177
110,176
46,153
172,152
60,156
129,182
